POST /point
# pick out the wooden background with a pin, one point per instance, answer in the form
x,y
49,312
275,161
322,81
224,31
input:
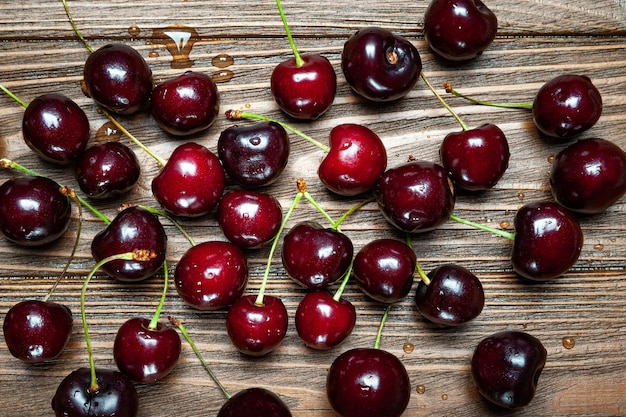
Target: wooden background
x,y
537,40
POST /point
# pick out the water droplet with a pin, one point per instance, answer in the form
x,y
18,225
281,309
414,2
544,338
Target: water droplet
x,y
255,141
505,225
222,61
153,54
179,40
108,132
444,397
568,342
134,30
598,246
420,389
520,196
408,347
222,76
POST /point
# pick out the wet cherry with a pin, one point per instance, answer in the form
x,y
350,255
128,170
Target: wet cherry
x,y
257,402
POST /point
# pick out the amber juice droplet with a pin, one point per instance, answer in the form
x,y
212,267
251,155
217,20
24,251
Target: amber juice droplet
x,y
222,61
444,397
420,389
108,132
408,347
598,246
179,41
505,224
520,196
568,342
223,76
134,30
551,159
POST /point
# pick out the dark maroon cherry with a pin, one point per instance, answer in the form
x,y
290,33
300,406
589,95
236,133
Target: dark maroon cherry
x,y
249,219
384,269
506,367
355,162
257,402
379,65
145,354
55,128
548,241
475,158
257,329
368,382
254,155
416,197
315,257
186,104
133,228
211,275
37,331
566,105
453,296
589,176
323,322
459,30
118,78
107,169
116,395
33,211
191,183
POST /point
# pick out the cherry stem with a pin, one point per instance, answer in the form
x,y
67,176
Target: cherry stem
x,y
71,19
296,54
240,114
157,313
344,282
352,210
379,334
162,213
420,271
499,232
310,199
443,102
185,334
136,255
13,96
450,90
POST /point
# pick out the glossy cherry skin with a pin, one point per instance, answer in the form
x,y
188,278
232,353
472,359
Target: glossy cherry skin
x,y
506,367
33,212
211,275
145,354
107,169
566,106
355,162
454,296
55,128
249,219
415,197
548,241
133,228
37,331
323,322
257,402
459,30
186,104
475,158
304,91
368,382
254,155
191,183
589,175
384,269
116,396
118,78
379,65
255,329
315,257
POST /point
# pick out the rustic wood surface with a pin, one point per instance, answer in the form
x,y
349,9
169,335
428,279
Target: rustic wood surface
x,y
537,40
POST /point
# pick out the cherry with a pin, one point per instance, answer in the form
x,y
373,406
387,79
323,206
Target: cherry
x,y
185,104
415,197
107,169
249,219
379,65
589,175
384,269
191,183
258,402
506,367
459,30
33,211
118,78
37,331
211,275
254,156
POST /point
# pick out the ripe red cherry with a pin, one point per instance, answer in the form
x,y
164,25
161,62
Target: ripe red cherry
x,y
186,104
475,158
118,78
368,382
145,354
55,128
415,197
459,30
211,275
257,402
37,331
323,322
355,162
379,65
33,212
589,176
191,183
506,367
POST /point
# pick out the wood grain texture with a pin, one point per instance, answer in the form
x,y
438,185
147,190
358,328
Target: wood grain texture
x,y
537,39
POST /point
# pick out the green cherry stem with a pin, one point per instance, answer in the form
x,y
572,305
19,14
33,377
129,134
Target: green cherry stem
x,y
499,232
296,54
162,213
13,96
418,268
443,102
352,210
344,282
450,90
319,208
379,334
76,31
157,313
